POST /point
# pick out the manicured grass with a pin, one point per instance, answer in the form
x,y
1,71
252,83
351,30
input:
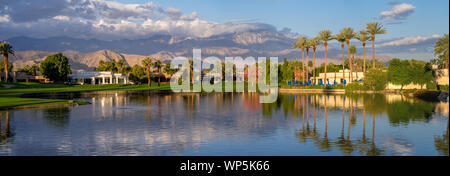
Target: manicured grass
x,y
10,97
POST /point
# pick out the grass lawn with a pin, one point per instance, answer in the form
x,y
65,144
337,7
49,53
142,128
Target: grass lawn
x,y
10,97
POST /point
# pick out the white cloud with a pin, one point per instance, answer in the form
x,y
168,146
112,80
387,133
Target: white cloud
x,y
4,19
408,41
61,17
108,20
398,12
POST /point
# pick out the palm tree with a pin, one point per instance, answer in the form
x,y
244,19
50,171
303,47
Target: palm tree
x,y
341,39
363,36
349,34
5,50
314,42
325,36
307,46
373,29
351,59
148,63
120,65
441,48
301,41
158,65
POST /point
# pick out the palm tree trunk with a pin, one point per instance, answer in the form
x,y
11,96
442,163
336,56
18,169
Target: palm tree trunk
x,y
325,44
314,65
303,65
159,76
349,61
149,77
351,66
364,56
343,61
373,51
307,66
5,61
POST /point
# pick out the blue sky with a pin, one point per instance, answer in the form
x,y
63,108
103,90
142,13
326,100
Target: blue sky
x,y
309,17
413,26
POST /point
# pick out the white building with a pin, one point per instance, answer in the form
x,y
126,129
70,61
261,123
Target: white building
x,y
338,77
92,77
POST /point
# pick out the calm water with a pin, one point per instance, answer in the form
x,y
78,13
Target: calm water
x,y
230,124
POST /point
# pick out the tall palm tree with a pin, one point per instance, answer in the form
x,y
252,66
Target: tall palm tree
x,y
325,36
307,46
363,36
314,42
341,39
373,29
158,65
351,59
300,43
148,63
5,50
349,34
441,48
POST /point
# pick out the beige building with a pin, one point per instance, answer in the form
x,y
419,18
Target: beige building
x,y
339,77
442,76
93,77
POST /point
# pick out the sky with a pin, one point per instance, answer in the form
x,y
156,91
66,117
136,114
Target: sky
x,y
309,17
415,22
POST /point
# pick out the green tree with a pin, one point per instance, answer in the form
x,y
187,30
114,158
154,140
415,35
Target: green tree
x,y
5,50
148,64
375,79
441,49
158,65
2,66
419,73
56,67
169,70
398,72
286,70
325,36
373,29
137,74
29,70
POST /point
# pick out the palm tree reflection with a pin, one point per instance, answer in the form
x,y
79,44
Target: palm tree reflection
x,y
6,134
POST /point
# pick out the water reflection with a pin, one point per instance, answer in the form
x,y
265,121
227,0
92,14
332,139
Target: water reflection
x,y
57,117
230,124
5,131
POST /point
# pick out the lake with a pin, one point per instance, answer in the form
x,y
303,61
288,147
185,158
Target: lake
x,y
229,124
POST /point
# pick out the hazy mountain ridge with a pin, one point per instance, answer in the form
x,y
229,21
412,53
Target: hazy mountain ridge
x,y
84,54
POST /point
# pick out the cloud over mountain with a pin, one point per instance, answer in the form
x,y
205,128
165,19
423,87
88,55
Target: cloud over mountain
x,y
107,20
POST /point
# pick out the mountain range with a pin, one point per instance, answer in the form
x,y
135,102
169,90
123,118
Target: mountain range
x,y
85,54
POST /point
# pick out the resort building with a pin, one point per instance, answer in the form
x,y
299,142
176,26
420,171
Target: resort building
x,y
339,77
93,77
441,76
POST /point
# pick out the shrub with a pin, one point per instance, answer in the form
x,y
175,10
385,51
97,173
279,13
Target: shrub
x,y
375,79
355,87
